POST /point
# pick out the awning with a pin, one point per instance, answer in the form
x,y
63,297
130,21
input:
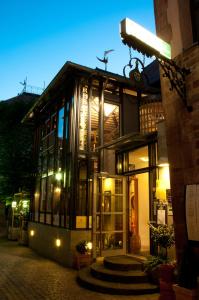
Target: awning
x,y
132,140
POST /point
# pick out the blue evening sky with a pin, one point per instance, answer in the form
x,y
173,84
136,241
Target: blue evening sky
x,y
38,37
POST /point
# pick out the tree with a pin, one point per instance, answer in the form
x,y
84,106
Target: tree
x,y
16,140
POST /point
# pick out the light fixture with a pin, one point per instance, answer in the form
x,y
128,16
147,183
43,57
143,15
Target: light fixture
x,y
25,203
32,232
58,190
108,109
163,164
58,176
144,158
89,246
58,242
14,204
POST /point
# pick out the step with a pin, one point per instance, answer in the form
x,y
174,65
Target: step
x,y
122,263
99,271
86,280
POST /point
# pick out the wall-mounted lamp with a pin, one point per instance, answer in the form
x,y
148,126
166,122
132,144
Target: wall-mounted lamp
x,y
58,242
32,232
89,246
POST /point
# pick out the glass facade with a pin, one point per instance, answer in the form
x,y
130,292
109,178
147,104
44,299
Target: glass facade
x,y
68,157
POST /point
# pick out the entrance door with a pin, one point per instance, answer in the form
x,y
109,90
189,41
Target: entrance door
x,y
109,216
139,237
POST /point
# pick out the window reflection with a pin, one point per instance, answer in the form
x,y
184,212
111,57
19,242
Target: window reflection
x,y
111,122
138,159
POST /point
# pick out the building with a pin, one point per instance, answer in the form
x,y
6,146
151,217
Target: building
x,y
181,30
97,177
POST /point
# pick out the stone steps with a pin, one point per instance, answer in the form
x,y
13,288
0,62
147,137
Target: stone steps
x,y
122,263
86,279
98,270
120,275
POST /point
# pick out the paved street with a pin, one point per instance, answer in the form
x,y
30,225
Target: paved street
x,y
27,276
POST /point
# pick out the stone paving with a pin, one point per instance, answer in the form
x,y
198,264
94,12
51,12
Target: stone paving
x,y
26,276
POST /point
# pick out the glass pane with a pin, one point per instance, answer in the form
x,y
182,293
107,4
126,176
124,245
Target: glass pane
x,y
50,193
61,123
139,158
94,107
112,222
83,119
118,186
43,194
118,203
109,241
111,122
81,205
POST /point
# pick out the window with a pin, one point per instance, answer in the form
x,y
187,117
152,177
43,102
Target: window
x,y
94,108
111,122
83,119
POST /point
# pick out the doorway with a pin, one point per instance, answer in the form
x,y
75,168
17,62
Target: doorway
x,y
109,215
139,215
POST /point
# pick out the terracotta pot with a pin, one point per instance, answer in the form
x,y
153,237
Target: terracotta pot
x,y
182,293
81,260
166,272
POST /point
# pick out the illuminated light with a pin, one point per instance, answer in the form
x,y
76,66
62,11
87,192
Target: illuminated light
x,y
32,232
25,203
50,173
163,165
134,31
89,246
107,184
58,176
108,109
36,195
144,158
14,204
58,242
119,166
58,190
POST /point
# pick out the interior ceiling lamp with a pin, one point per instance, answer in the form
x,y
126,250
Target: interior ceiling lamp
x,y
142,40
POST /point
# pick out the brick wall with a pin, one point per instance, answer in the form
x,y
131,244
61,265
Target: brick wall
x,y
182,126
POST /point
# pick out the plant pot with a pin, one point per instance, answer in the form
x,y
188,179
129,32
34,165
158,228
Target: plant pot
x,y
182,293
166,272
81,260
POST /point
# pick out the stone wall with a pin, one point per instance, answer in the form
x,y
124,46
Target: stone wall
x,y
43,242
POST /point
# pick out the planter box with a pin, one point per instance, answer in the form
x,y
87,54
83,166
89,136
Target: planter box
x,y
182,293
81,260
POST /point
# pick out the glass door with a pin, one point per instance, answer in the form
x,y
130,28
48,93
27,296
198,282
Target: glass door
x,y
109,216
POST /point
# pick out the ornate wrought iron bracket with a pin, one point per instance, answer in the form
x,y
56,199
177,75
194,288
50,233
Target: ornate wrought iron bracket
x,y
137,76
176,76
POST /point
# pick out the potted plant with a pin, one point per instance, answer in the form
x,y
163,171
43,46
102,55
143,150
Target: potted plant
x,y
163,237
151,267
186,289
82,256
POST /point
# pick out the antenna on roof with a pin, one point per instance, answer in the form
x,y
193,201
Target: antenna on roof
x,y
105,59
24,83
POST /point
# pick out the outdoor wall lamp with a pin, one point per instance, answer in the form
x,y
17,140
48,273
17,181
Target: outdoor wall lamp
x,y
32,232
58,243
